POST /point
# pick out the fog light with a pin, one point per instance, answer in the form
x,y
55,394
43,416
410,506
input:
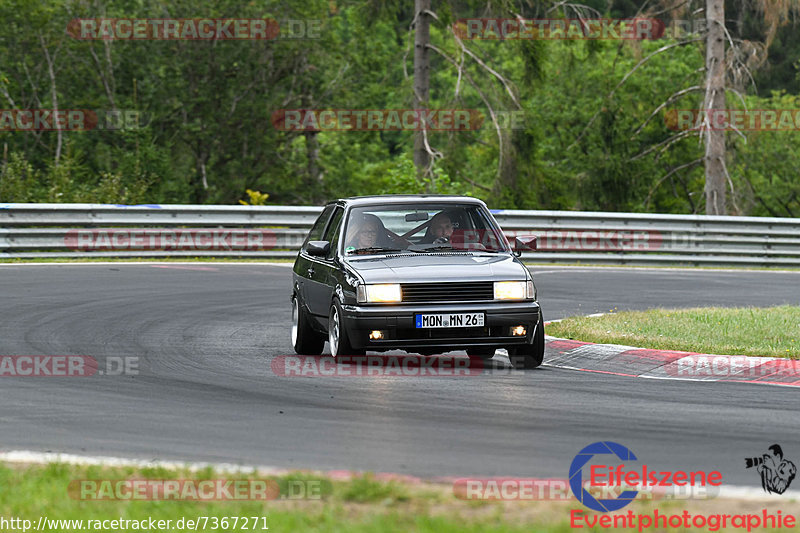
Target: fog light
x,y
518,331
375,335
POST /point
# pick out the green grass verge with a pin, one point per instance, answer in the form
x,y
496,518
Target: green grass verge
x,y
361,504
772,331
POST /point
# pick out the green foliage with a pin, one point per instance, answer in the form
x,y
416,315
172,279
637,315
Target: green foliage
x,y
401,178
17,180
767,163
67,182
366,488
206,134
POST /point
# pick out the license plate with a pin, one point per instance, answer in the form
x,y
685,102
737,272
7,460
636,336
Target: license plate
x,y
450,320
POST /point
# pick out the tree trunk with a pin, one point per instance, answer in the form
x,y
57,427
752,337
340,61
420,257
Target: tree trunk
x,y
53,95
314,172
200,186
422,37
715,99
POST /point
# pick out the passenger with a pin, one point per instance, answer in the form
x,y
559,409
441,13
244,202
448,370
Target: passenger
x,y
365,231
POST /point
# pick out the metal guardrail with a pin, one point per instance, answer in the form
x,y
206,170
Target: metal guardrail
x,y
101,230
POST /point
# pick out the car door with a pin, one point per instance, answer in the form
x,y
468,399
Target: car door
x,y
304,265
322,271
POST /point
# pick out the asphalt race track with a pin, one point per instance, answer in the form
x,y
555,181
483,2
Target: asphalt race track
x,y
205,335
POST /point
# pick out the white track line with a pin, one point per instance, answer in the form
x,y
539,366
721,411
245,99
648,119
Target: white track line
x,y
31,457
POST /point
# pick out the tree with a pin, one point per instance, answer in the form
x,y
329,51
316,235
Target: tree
x,y
422,65
716,173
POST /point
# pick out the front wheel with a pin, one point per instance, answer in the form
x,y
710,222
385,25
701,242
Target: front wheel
x,y
305,340
527,356
337,334
481,352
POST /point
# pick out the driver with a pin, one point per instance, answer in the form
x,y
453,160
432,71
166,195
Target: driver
x,y
440,229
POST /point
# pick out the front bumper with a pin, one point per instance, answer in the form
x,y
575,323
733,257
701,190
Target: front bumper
x,y
397,321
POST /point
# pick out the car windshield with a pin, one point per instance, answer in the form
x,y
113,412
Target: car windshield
x,y
422,228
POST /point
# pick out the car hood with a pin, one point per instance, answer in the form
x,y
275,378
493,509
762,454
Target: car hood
x,y
438,268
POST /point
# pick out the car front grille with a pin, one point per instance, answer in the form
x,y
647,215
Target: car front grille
x,y
448,292
452,333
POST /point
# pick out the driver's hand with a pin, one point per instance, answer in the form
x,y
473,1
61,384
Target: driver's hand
x,y
441,240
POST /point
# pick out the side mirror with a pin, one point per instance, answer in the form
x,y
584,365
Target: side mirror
x,y
319,248
524,243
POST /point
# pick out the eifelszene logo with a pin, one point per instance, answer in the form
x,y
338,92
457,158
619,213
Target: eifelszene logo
x,y
776,472
613,478
576,476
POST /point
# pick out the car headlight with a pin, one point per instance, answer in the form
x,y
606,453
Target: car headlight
x,y
512,290
384,292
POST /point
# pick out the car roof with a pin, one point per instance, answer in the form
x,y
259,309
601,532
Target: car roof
x,y
406,198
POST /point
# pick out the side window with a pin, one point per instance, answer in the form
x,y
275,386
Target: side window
x,y
316,230
333,231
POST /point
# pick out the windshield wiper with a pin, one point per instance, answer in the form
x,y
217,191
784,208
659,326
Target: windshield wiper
x,y
436,248
450,247
373,250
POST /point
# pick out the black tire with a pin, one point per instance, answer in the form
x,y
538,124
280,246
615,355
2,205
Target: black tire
x,y
481,352
338,339
305,340
528,356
